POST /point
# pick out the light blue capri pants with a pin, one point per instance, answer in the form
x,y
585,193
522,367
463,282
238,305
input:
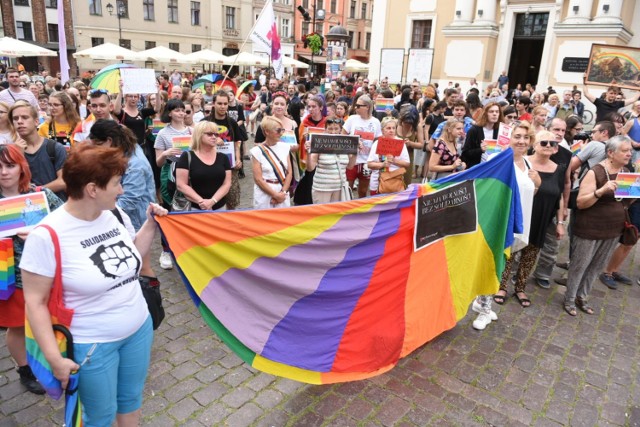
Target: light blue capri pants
x,y
113,377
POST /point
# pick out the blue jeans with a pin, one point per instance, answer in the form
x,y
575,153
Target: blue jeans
x,y
112,378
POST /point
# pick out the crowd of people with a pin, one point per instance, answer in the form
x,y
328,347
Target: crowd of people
x,y
138,155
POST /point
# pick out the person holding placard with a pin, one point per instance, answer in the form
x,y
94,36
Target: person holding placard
x,y
367,127
379,161
330,169
271,168
166,155
203,175
15,178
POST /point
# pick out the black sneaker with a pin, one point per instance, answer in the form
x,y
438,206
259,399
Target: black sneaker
x,y
29,380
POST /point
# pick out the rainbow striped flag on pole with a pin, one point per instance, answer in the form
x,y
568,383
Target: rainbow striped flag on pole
x,y
340,292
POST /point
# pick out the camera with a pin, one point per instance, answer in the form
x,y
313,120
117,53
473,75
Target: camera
x,y
582,136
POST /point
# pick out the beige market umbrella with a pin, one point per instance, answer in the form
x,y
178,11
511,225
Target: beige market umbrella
x,y
354,65
109,51
166,56
246,58
14,48
207,56
290,62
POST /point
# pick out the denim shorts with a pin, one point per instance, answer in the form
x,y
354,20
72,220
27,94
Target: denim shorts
x,y
112,377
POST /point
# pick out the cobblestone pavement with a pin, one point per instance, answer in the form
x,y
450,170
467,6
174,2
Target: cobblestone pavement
x,y
534,366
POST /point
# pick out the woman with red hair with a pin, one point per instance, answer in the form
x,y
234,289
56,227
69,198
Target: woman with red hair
x,y
15,179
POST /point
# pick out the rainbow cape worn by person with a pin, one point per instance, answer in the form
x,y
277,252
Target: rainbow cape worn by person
x,y
341,291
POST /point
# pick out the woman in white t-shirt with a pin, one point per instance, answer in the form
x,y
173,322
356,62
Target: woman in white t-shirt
x,y
367,127
101,260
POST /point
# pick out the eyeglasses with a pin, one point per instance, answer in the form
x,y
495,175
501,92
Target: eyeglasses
x,y
99,91
22,85
335,122
210,134
279,130
578,129
549,143
596,130
511,116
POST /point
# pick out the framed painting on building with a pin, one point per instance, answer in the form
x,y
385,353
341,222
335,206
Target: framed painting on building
x,y
614,65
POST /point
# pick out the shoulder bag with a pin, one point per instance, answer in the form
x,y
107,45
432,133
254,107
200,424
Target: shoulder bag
x,y
180,203
391,182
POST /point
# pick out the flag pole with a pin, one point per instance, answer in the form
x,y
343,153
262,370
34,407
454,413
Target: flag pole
x,y
245,41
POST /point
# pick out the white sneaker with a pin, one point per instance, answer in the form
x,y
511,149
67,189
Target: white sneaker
x,y
478,309
165,261
481,321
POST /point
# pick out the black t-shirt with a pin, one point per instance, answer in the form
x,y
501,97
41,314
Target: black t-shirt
x,y
603,108
136,123
206,179
562,157
227,127
433,120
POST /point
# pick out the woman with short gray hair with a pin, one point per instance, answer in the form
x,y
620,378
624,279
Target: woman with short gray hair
x,y
599,222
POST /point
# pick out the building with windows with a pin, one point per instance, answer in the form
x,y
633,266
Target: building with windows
x,y
354,15
182,25
36,21
544,42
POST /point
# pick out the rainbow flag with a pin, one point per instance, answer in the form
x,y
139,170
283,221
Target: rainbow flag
x,y
576,147
21,213
340,292
7,269
157,126
182,142
384,104
628,185
289,137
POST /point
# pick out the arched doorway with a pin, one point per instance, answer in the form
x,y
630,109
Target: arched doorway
x,y
528,44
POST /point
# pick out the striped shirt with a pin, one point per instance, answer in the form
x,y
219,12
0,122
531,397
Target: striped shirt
x,y
327,177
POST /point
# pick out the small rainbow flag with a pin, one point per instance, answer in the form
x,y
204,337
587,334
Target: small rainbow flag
x,y
7,269
384,104
576,147
182,142
628,185
289,137
21,213
492,146
157,126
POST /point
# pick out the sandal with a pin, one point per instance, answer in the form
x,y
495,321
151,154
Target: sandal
x,y
524,301
584,306
500,299
571,309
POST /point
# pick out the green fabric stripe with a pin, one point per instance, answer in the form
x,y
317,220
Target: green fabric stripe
x,y
227,337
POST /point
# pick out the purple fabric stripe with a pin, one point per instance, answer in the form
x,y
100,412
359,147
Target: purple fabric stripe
x,y
308,337
250,302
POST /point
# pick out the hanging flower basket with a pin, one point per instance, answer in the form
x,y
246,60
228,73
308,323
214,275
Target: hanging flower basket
x,y
313,41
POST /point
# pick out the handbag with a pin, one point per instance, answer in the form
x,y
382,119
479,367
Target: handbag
x,y
629,236
346,194
391,182
180,203
150,289
60,316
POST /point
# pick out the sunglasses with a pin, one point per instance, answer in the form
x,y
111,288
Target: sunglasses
x,y
210,134
549,143
188,111
335,122
511,116
279,130
100,91
22,85
361,105
207,111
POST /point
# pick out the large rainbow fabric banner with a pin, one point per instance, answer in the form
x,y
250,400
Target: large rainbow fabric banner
x,y
340,292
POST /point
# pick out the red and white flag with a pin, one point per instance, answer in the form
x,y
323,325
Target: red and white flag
x,y
265,35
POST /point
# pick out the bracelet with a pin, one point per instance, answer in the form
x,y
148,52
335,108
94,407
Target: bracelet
x,y
562,222
215,201
595,194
